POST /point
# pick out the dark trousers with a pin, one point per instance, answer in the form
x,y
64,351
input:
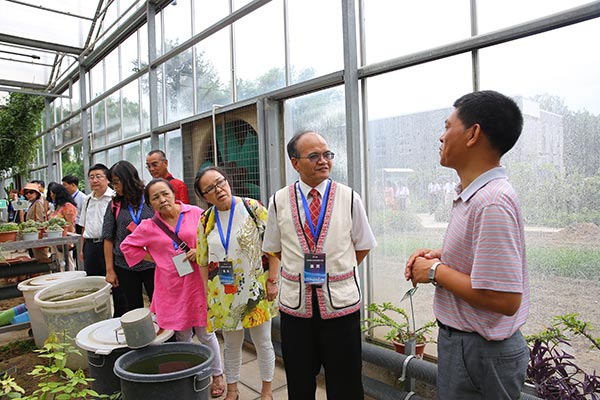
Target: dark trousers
x,y
131,284
95,265
309,343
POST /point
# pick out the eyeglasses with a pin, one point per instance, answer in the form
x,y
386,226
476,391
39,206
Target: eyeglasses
x,y
154,164
315,157
96,177
212,188
30,192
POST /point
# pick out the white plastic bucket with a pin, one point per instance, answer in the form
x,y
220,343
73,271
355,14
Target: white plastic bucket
x,y
33,285
73,305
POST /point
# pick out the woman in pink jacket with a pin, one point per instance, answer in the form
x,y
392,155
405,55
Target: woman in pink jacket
x,y
179,299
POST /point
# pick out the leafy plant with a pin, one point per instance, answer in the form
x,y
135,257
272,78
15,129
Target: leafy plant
x,y
30,223
56,380
553,370
54,228
58,221
399,330
9,227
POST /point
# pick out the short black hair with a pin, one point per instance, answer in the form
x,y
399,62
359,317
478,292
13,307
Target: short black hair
x,y
100,167
498,116
292,149
40,182
203,171
152,183
71,180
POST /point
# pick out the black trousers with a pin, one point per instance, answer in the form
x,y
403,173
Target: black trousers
x,y
309,343
130,284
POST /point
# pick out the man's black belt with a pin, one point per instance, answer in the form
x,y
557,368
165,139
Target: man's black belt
x,y
94,240
450,329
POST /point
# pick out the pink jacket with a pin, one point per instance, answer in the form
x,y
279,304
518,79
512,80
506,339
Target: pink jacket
x,y
178,302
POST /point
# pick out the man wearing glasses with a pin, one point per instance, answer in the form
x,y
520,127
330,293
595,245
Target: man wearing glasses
x,y
92,218
319,230
158,166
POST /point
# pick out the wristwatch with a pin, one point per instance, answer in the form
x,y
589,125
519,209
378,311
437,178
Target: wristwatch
x,y
432,274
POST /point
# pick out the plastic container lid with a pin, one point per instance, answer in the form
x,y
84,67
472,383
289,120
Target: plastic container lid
x,y
42,281
105,336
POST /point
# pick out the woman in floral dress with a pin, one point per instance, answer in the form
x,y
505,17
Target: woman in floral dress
x,y
240,292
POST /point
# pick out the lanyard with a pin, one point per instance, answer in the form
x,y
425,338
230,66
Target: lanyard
x,y
179,220
225,241
315,230
136,217
76,194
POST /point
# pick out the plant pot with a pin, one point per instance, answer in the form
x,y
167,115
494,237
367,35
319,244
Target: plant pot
x,y
54,234
9,236
529,388
31,235
399,347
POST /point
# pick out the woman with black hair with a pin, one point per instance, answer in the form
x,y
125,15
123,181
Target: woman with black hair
x,y
123,214
64,206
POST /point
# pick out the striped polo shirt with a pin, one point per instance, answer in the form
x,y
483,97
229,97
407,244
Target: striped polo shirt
x,y
485,239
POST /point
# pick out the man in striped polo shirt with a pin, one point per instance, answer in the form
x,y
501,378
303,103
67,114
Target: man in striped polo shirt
x,y
482,286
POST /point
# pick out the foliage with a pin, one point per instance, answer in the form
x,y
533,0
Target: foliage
x,y
573,262
58,221
20,121
399,331
9,227
30,225
72,161
56,380
54,228
553,370
394,221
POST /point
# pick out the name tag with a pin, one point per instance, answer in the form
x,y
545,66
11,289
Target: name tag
x,y
314,268
131,227
182,265
226,273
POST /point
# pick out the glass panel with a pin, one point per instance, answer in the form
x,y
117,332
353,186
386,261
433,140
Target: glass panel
x,y
100,158
319,49
396,28
145,103
492,15
132,154
324,113
207,12
113,112
179,86
96,77
129,56
174,153
52,112
146,148
177,19
66,103
160,91
143,31
114,155
76,126
58,135
131,109
260,51
213,71
72,163
75,97
555,168
111,66
406,193
99,115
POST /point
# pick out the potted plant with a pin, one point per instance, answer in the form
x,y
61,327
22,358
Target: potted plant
x,y
30,233
8,231
59,221
552,371
398,322
54,231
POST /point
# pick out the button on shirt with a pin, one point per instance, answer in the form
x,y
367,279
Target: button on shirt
x,y
92,214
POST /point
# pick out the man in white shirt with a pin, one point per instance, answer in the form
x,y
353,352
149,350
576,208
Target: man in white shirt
x,y
92,217
71,183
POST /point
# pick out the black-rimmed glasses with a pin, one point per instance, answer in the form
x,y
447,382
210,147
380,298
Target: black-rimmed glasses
x,y
212,188
315,157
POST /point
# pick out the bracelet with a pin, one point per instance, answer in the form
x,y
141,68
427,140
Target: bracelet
x,y
273,281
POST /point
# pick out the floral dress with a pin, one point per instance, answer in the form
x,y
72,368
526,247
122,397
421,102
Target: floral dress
x,y
243,304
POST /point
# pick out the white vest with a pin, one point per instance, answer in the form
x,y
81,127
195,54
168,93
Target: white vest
x,y
340,294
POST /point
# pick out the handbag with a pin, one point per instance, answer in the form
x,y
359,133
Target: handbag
x,y
180,243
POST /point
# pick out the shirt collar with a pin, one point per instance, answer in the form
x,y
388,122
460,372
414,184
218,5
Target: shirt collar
x,y
108,193
321,187
481,181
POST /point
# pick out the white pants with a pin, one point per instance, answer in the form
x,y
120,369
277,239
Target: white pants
x,y
209,339
261,337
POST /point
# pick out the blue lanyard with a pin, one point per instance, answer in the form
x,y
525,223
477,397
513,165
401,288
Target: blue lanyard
x,y
179,220
136,217
314,230
76,194
225,241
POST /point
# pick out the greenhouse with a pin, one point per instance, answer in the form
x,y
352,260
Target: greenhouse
x,y
230,82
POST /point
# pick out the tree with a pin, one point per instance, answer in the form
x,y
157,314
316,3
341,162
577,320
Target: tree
x,y
20,121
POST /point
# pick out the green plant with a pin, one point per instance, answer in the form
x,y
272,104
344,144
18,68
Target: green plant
x,y
9,227
56,380
29,229
401,331
58,221
54,228
30,223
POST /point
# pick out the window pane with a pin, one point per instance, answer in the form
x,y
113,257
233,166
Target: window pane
x,y
132,154
113,112
131,109
146,148
114,155
179,86
100,158
260,51
207,12
99,132
145,103
76,100
177,23
396,28
129,56
96,77
111,66
213,71
174,153
324,113
317,50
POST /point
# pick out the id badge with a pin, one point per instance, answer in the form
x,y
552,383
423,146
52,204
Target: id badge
x,y
314,268
226,272
182,265
131,227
